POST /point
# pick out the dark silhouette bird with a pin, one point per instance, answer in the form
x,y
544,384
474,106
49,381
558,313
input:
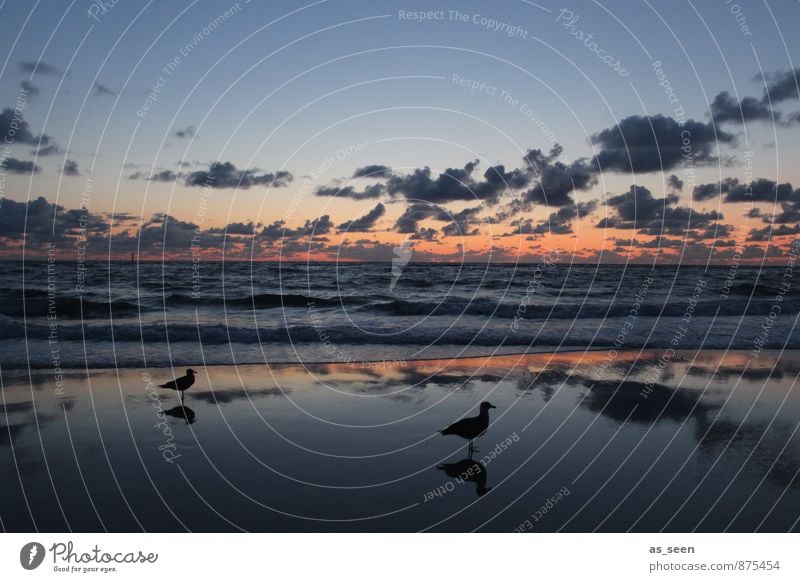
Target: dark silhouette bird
x,y
182,383
183,412
468,470
472,427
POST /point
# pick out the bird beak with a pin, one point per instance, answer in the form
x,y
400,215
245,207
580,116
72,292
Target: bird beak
x,y
492,406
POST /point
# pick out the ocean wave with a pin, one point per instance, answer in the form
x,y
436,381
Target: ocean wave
x,y
454,306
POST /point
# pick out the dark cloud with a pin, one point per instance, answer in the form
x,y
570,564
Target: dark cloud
x,y
639,209
560,222
454,184
226,175
766,233
278,230
39,221
408,222
159,176
38,68
654,143
50,149
164,176
187,132
790,212
638,205
29,88
428,234
462,222
100,90
759,190
725,108
364,223
15,129
373,171
497,180
373,191
782,86
235,228
675,183
556,181
71,168
15,166
366,250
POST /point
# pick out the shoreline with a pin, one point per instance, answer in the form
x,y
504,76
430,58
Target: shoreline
x,y
359,364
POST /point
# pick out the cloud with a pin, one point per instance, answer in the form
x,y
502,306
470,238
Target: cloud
x,y
366,250
373,171
782,86
639,209
235,228
15,129
225,175
459,184
164,176
187,132
451,185
40,221
653,143
559,222
759,190
555,180
461,222
638,205
278,230
47,148
408,222
790,212
374,191
675,183
99,90
364,223
768,232
30,88
15,166
159,176
725,108
428,234
38,68
70,168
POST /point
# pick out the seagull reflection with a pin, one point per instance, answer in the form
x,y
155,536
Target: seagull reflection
x,y
468,470
183,412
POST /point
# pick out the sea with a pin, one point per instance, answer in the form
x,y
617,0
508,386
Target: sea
x,y
119,314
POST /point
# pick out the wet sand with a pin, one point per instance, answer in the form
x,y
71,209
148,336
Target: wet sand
x,y
579,442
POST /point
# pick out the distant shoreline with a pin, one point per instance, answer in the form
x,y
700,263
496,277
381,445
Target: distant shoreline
x,y
356,364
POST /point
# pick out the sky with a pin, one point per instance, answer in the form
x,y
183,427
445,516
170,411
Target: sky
x,y
340,130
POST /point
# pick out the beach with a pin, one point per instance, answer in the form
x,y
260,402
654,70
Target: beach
x,y
605,440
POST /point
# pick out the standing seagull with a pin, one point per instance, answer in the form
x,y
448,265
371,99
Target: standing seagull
x,y
182,383
471,428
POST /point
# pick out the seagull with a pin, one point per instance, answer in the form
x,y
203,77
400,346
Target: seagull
x,y
471,428
182,383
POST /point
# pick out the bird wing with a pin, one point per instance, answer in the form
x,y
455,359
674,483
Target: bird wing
x,y
457,427
173,385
